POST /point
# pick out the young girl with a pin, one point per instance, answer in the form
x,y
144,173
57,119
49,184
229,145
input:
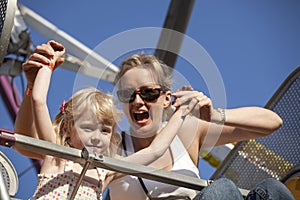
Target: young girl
x,y
87,119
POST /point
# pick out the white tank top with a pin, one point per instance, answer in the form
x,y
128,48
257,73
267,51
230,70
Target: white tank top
x,y
129,187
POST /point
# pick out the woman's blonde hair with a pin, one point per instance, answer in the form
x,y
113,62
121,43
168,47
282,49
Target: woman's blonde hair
x,y
161,72
89,99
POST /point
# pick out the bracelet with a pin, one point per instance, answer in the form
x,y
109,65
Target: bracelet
x,y
223,115
28,91
51,66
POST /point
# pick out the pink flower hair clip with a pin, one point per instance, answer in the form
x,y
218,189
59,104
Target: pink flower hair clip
x,y
62,107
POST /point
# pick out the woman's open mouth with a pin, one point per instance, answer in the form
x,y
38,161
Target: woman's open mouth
x,y
141,117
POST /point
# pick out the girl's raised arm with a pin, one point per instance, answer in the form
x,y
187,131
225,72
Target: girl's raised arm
x,y
159,145
41,114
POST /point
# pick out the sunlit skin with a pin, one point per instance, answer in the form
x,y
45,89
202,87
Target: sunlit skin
x,y
145,130
146,127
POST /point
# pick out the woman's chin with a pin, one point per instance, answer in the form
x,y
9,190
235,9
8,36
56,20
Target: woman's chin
x,y
144,131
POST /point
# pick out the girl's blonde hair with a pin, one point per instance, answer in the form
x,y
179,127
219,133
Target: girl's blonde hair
x,y
89,99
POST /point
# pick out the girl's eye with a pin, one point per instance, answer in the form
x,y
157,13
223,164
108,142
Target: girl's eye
x,y
106,130
88,128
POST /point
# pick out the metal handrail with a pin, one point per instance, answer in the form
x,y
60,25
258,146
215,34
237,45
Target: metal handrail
x,y
9,139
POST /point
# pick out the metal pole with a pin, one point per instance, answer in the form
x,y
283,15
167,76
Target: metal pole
x,y
82,174
3,190
96,66
175,25
10,95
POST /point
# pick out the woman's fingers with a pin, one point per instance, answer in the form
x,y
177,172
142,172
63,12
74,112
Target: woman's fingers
x,y
206,108
45,50
42,56
31,64
39,58
195,102
183,97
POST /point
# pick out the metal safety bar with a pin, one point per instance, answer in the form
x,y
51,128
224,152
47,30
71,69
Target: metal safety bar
x,y
3,189
9,139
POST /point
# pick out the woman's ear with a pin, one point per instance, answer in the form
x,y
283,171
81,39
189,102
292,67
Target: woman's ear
x,y
168,99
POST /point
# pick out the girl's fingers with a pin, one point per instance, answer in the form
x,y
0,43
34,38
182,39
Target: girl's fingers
x,y
59,49
204,102
59,52
182,96
190,107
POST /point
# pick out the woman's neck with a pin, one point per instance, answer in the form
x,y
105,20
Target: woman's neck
x,y
141,143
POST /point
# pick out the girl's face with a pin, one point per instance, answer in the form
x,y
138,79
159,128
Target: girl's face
x,y
145,117
90,133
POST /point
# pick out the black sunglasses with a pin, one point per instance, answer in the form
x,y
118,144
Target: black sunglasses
x,y
148,94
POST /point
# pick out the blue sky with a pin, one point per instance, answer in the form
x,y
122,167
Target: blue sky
x,y
255,45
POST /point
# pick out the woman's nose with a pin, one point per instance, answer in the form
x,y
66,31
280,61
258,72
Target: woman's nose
x,y
138,99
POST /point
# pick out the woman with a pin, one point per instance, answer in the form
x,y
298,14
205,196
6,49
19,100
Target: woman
x,y
143,84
